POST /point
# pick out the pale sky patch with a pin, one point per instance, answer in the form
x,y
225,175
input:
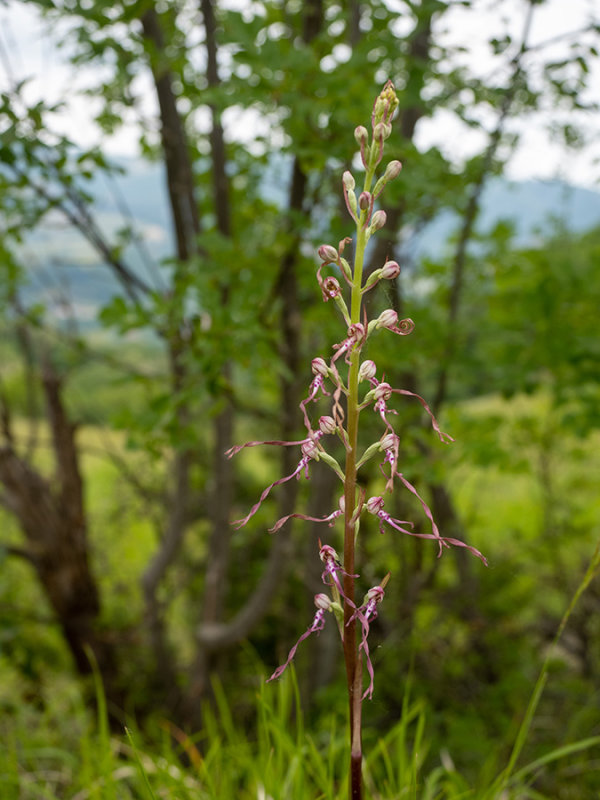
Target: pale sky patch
x,y
28,50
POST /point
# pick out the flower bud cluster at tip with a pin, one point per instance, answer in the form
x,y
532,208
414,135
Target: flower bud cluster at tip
x,y
385,105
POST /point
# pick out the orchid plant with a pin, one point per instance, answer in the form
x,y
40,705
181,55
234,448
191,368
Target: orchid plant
x,y
341,386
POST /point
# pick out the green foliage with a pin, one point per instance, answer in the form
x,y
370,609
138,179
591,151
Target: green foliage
x,y
521,475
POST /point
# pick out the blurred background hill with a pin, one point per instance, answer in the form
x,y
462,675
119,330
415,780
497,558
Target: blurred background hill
x,y
138,196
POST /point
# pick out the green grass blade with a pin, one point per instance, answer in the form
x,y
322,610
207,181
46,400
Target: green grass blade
x,y
140,767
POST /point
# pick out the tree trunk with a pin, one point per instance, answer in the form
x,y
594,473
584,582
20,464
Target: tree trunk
x,y
180,176
52,517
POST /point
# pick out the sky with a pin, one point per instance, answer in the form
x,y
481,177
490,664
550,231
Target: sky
x,y
28,49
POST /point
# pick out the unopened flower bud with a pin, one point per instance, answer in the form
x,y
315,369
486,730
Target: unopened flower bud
x,y
367,370
364,201
378,220
385,105
322,601
327,253
374,504
392,170
361,135
327,424
319,367
390,270
348,181
379,131
387,319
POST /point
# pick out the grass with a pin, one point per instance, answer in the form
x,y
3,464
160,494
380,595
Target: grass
x,y
282,760
57,751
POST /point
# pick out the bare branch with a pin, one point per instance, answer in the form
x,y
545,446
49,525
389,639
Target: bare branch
x,y
18,552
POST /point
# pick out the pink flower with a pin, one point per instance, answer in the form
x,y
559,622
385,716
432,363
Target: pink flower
x,y
309,452
356,337
366,614
375,507
323,604
320,371
332,567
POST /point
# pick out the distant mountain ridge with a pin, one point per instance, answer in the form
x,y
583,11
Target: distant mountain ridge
x,y
532,207
140,193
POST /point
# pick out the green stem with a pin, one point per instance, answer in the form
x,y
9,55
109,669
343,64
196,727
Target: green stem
x,y
351,657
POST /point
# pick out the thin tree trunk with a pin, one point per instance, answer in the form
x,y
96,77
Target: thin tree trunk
x,y
186,224
52,517
219,548
286,289
180,176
